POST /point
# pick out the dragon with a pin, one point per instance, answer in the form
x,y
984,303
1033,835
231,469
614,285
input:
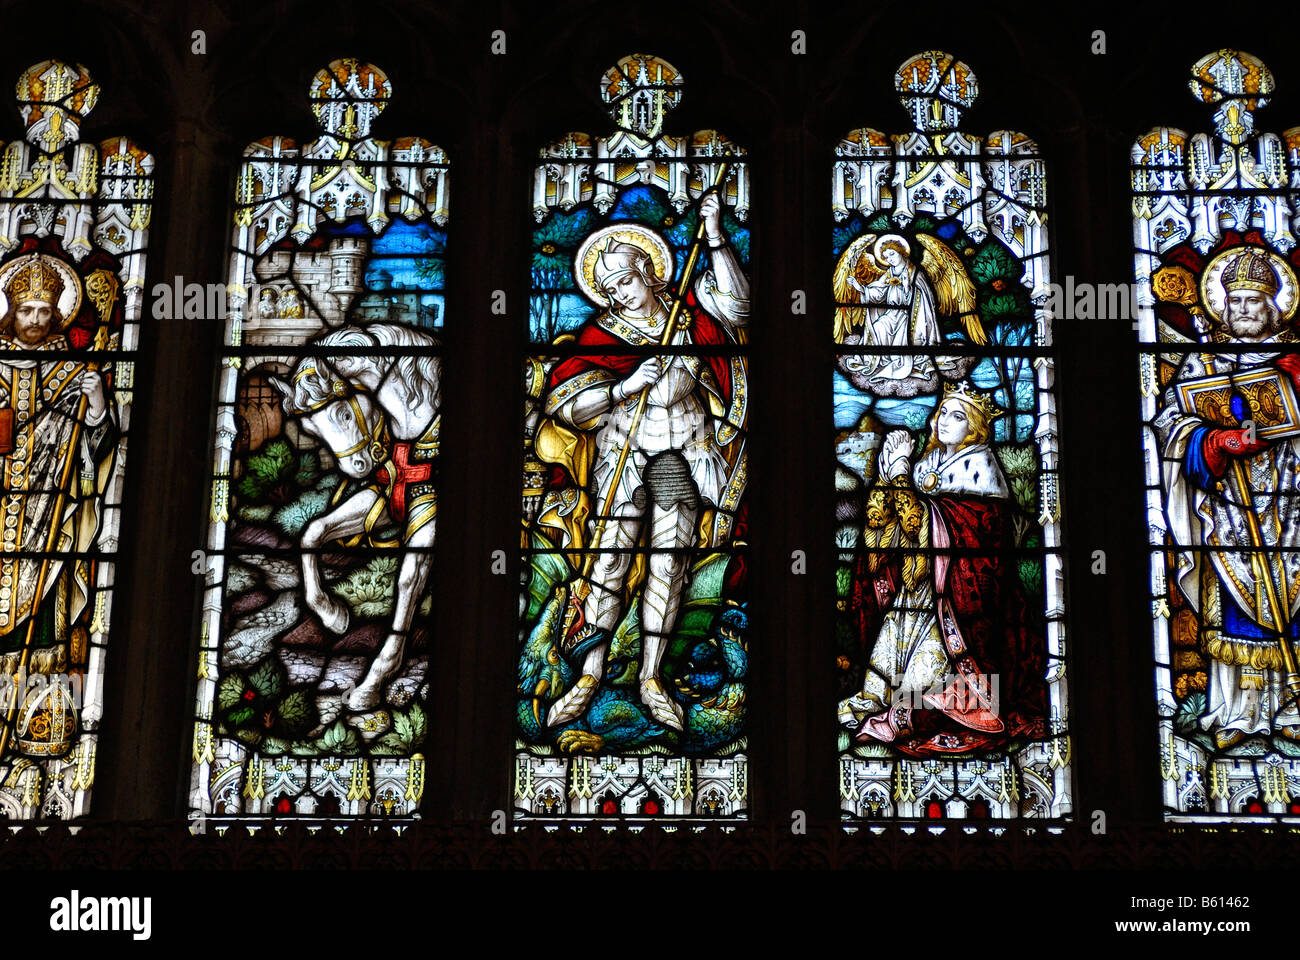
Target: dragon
x,y
710,685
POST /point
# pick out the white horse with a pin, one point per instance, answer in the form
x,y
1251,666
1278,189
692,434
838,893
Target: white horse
x,y
379,417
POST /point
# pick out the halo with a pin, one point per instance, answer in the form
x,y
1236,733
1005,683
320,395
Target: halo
x,y
69,301
895,238
1212,294
584,262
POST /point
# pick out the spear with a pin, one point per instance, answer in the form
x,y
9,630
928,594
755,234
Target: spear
x,y
583,587
105,305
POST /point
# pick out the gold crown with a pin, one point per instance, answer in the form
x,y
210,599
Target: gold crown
x,y
979,402
1250,271
34,280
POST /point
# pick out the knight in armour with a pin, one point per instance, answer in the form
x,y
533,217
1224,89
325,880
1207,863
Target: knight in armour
x,y
652,475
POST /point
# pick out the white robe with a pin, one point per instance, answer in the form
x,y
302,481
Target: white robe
x,y
908,657
900,313
1246,691
45,398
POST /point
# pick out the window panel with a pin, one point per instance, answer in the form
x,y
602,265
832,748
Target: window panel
x,y
74,228
950,659
634,629
1215,265
312,697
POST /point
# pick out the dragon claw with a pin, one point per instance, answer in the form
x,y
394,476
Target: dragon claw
x,y
575,741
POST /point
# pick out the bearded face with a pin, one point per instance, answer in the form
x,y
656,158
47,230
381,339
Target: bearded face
x,y
32,320
1251,315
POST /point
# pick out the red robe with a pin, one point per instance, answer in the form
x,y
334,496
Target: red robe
x,y
704,331
1001,632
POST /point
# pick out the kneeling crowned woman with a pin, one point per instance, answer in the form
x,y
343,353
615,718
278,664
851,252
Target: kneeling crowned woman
x,y
957,651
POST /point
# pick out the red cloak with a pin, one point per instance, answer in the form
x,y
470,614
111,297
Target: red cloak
x,y
1001,632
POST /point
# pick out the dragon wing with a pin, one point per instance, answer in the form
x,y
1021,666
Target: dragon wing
x,y
954,292
849,265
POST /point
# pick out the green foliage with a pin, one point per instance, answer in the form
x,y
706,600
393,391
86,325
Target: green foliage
x,y
256,705
879,223
229,691
255,514
1019,460
308,468
339,740
1025,492
268,678
297,713
737,232
564,230
407,735
999,306
1187,717
846,637
432,272
649,206
923,225
408,731
369,590
843,581
292,517
993,261
266,471
1031,576
1020,463
554,244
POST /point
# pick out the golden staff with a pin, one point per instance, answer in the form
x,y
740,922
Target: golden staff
x,y
1263,571
582,588
104,302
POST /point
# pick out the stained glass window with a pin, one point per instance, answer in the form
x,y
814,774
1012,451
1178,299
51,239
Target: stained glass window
x,y
312,687
74,226
1215,264
950,661
634,631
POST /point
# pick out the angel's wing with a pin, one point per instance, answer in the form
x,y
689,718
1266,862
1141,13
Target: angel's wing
x,y
954,292
848,317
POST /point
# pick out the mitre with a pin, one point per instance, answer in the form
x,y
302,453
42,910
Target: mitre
x,y
1250,271
34,280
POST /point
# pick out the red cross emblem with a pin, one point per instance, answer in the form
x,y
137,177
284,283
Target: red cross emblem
x,y
405,475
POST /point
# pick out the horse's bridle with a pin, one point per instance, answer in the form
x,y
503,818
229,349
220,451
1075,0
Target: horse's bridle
x,y
346,390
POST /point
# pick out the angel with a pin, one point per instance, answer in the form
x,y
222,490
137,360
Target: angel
x,y
885,300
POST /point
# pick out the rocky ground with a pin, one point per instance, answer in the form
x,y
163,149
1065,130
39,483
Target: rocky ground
x,y
266,615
